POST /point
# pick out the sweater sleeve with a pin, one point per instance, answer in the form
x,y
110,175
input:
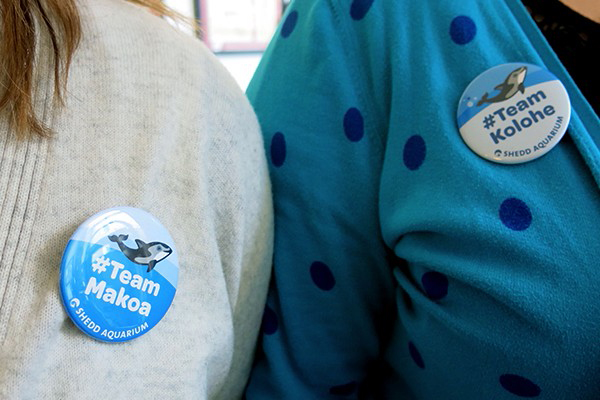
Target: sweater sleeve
x,y
332,288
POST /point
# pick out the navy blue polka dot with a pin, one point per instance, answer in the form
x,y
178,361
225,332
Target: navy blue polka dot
x,y
416,356
435,285
360,8
322,276
289,24
343,390
515,214
414,152
354,125
520,386
278,149
462,29
270,322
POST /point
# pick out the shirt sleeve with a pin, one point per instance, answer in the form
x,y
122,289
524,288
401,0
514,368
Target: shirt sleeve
x,y
332,288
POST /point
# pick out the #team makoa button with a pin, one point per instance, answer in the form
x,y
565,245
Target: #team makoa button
x,y
119,274
514,113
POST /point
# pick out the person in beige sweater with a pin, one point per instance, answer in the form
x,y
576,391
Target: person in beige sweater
x,y
149,120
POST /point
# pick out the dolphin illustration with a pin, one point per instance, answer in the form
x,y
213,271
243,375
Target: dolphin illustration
x,y
511,85
146,253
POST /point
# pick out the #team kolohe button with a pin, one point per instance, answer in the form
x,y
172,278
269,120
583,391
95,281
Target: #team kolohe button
x,y
514,113
119,274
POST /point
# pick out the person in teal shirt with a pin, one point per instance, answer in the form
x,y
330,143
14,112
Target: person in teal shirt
x,y
406,266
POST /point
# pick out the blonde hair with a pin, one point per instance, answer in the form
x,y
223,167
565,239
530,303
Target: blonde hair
x,y
20,21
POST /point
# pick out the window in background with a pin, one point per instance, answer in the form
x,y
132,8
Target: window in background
x,y
238,25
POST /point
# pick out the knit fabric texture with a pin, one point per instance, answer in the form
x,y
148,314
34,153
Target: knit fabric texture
x,y
152,121
406,266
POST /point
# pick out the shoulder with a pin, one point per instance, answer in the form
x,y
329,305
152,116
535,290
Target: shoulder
x,y
141,45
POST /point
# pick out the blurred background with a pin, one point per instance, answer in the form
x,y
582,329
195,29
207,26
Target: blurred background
x,y
237,31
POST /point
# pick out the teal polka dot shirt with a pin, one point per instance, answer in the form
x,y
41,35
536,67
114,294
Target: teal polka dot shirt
x,y
406,266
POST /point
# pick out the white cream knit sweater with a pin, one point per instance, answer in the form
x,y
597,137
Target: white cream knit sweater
x,y
151,121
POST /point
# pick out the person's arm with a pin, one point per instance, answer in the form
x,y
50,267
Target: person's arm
x,y
328,310
588,8
241,200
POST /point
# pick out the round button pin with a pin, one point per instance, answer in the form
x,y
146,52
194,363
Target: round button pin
x,y
119,274
514,113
